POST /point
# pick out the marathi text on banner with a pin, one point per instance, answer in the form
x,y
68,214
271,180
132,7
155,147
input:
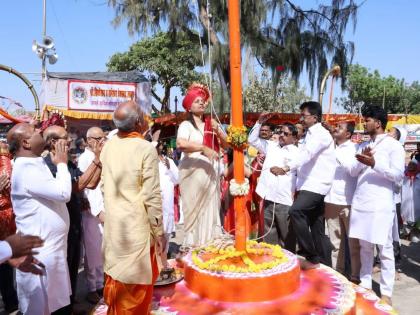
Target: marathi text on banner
x,y
99,96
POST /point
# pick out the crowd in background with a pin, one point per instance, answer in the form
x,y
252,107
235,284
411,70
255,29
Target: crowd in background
x,y
312,190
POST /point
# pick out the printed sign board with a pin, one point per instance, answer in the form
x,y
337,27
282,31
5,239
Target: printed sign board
x,y
99,96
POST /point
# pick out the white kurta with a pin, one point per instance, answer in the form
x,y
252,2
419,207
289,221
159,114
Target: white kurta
x,y
278,189
168,180
343,185
5,251
314,160
92,229
39,203
410,203
373,207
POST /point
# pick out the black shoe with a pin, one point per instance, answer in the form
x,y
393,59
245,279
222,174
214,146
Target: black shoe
x,y
93,297
11,308
100,292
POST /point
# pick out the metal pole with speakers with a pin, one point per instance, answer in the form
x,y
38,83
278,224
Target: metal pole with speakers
x,y
46,49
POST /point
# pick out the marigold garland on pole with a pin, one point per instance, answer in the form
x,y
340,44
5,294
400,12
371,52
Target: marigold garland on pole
x,y
237,136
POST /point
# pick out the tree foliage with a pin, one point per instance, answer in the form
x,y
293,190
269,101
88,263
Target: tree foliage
x,y
278,32
284,97
170,61
366,87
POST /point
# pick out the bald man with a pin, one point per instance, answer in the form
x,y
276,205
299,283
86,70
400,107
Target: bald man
x,y
39,203
133,215
91,221
80,180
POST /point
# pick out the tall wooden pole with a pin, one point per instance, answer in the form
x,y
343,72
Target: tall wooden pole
x,y
236,99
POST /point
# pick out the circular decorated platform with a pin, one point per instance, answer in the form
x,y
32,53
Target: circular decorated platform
x,y
263,273
321,291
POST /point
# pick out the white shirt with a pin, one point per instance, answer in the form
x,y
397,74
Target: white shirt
x,y
375,186
315,162
278,189
168,179
373,207
397,186
94,196
39,203
5,251
343,185
187,131
410,203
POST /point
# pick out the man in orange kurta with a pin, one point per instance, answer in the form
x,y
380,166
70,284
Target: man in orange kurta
x,y
133,215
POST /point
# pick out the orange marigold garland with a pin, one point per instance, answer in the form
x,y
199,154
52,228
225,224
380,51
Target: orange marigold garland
x,y
229,252
237,136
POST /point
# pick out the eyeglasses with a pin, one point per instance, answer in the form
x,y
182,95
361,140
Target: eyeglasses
x,y
285,133
96,138
61,138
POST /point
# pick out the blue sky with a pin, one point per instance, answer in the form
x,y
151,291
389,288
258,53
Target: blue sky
x,y
386,38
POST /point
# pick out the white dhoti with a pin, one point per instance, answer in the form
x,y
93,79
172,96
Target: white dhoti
x,y
92,241
375,228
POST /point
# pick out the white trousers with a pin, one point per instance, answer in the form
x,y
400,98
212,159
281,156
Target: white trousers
x,y
386,254
92,241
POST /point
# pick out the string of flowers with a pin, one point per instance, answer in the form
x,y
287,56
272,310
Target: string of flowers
x,y
230,252
237,136
236,189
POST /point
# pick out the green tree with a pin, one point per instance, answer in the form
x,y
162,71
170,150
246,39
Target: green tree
x,y
411,101
365,87
285,97
278,32
170,62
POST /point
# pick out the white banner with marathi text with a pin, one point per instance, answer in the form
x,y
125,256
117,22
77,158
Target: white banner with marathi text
x,y
99,96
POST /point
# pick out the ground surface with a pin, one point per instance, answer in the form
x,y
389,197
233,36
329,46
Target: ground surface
x,y
406,296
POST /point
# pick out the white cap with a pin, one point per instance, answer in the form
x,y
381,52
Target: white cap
x,y
403,133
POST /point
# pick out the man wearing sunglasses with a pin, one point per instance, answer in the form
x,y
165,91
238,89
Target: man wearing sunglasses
x,y
315,173
275,190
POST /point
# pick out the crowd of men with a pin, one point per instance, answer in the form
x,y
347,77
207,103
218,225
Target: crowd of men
x,y
334,201
330,200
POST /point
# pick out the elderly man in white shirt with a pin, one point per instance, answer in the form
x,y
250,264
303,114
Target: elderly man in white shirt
x,y
379,165
277,191
338,204
39,203
91,220
315,173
